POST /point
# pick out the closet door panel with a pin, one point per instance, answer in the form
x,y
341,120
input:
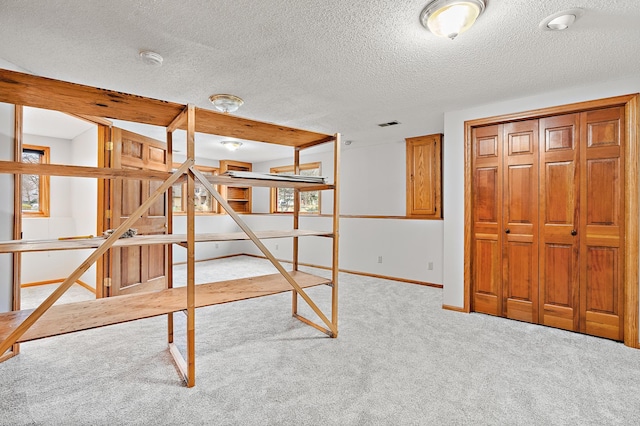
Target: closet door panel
x,y
602,215
559,218
520,221
487,238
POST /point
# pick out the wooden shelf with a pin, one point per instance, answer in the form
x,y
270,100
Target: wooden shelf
x,y
244,182
71,317
89,243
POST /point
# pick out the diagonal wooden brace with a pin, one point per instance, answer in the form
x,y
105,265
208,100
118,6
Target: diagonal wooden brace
x,y
203,180
66,284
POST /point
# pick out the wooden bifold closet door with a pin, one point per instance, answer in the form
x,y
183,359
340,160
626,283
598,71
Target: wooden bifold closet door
x,y
548,219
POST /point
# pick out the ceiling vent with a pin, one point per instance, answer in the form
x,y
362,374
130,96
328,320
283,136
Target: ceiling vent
x,y
391,123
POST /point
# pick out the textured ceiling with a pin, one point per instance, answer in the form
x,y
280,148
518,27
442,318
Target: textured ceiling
x,y
328,66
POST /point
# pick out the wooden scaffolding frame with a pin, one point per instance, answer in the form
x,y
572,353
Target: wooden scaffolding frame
x,y
48,320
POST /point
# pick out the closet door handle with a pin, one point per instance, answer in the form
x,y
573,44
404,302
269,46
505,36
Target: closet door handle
x,y
507,231
574,232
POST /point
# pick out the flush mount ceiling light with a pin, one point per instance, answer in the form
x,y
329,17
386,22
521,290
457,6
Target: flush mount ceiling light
x,y
226,103
151,58
231,145
561,20
450,18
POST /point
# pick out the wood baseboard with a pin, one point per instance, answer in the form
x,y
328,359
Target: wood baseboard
x,y
366,274
212,258
454,308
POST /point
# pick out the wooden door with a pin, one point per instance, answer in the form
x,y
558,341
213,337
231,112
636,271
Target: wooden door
x,y
559,221
602,223
487,220
138,269
520,221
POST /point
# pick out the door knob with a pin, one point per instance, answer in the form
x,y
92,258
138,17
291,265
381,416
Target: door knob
x,y
507,231
574,232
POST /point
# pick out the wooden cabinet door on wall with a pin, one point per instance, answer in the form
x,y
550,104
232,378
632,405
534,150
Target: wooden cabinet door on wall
x,y
602,223
424,183
520,221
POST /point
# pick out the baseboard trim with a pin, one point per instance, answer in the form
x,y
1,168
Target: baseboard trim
x,y
365,274
57,281
454,308
211,258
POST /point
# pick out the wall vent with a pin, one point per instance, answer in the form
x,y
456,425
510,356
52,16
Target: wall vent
x,y
391,123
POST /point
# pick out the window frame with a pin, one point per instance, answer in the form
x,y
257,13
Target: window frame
x,y
273,205
183,193
44,202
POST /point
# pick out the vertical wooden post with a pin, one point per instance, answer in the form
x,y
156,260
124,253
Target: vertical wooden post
x,y
169,247
17,214
336,233
296,225
191,356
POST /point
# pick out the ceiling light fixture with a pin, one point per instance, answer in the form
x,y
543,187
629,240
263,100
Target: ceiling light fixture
x,y
226,103
151,58
561,20
450,18
231,145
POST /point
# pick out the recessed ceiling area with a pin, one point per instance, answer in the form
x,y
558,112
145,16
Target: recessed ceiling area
x,y
329,66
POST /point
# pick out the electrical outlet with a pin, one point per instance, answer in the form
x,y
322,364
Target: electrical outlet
x,y
379,259
216,245
276,247
430,266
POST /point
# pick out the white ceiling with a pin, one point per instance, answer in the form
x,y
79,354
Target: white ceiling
x,y
328,66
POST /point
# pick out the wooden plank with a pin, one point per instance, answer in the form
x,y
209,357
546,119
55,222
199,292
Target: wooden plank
x,y
71,317
75,275
80,171
234,181
40,92
336,232
88,243
191,249
218,123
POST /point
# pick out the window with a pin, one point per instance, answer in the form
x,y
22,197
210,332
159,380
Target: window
x,y
424,180
282,198
35,188
204,201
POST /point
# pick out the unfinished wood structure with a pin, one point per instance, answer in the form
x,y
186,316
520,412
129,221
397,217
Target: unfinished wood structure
x,y
24,325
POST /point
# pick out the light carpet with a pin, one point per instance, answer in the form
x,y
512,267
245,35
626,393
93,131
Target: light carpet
x,y
400,359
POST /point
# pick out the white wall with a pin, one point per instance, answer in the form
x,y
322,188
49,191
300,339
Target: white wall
x,y
84,196
6,206
42,266
73,210
453,294
373,183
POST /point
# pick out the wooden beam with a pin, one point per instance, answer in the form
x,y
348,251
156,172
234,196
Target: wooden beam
x,y
79,171
40,92
17,212
218,123
191,249
177,122
336,231
68,282
262,248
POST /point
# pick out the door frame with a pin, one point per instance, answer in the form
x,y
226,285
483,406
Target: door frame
x,y
631,278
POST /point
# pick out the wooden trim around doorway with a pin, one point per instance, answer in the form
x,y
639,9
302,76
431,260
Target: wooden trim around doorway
x,y
631,283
